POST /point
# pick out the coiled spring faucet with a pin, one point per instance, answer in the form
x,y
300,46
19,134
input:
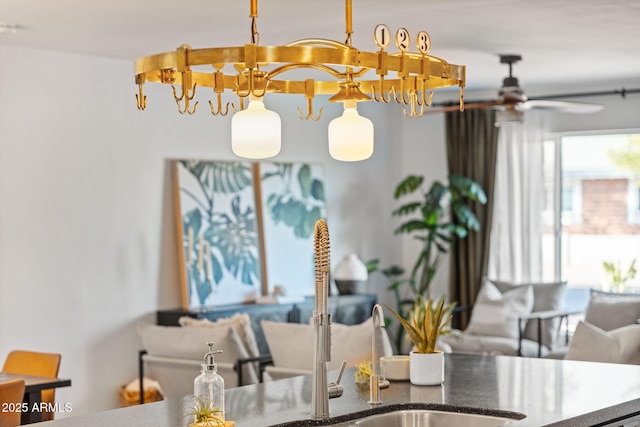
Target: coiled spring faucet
x,y
321,392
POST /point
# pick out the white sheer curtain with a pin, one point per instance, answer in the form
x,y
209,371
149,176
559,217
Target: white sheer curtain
x,y
516,233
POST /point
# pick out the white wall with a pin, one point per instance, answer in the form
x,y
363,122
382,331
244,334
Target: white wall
x,y
87,244
619,113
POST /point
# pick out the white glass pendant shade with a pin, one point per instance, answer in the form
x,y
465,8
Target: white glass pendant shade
x,y
350,136
255,131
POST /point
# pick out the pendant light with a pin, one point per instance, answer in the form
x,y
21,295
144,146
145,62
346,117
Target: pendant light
x,y
255,131
350,135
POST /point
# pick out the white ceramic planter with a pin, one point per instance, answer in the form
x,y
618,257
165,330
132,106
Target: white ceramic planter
x,y
426,368
350,275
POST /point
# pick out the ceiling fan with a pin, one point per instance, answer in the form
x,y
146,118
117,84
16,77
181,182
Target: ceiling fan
x,y
512,102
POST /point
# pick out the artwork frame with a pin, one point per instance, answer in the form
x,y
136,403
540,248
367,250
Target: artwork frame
x,y
243,226
292,198
217,232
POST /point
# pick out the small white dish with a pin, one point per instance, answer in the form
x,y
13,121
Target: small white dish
x,y
395,368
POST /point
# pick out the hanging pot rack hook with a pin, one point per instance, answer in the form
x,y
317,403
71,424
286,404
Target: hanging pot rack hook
x,y
309,93
218,111
141,98
413,103
379,95
187,99
218,89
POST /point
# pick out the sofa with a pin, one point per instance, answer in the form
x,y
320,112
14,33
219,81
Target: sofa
x,y
172,355
292,345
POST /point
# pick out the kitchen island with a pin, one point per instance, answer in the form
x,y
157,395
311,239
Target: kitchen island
x,y
546,392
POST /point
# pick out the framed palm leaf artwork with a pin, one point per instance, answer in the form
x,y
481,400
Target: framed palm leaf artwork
x,y
292,200
220,260
244,228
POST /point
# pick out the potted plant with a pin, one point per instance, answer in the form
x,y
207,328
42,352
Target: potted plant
x,y
618,279
437,218
362,374
425,322
201,413
434,226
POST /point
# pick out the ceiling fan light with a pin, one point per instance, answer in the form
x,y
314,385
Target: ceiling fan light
x,y
509,117
350,136
255,131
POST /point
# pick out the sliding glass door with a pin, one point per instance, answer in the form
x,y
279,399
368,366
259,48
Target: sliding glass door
x,y
592,210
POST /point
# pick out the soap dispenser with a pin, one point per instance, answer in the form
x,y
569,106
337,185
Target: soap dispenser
x,y
209,385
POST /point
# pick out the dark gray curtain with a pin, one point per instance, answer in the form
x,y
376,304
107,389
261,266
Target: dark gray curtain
x,y
472,145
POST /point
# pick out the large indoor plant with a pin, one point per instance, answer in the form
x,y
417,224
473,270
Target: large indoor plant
x,y
444,214
424,323
436,218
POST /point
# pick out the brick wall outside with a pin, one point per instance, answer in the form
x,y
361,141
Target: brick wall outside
x,y
604,208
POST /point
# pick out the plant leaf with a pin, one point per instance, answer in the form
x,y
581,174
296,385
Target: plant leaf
x,y
408,185
393,271
407,209
465,215
468,188
372,265
317,190
411,226
304,179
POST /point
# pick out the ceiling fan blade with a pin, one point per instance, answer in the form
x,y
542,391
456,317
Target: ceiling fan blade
x,y
467,106
512,97
562,106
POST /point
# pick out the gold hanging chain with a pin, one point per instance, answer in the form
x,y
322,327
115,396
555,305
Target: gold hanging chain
x,y
349,29
255,35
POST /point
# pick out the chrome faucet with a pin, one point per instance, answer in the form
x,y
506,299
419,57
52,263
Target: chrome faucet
x,y
321,391
375,383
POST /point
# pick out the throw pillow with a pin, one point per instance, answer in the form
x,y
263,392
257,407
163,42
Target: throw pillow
x,y
590,343
496,314
241,323
546,296
292,344
608,310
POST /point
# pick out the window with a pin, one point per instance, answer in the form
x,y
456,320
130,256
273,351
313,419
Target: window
x,y
567,198
595,179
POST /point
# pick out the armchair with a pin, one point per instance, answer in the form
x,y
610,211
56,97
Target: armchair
x,y
513,319
610,331
11,392
541,317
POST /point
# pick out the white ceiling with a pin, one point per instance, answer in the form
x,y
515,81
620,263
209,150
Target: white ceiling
x,y
561,41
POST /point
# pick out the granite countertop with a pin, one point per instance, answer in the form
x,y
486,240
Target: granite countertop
x,y
548,392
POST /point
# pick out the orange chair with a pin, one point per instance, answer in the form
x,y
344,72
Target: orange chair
x,y
38,364
11,393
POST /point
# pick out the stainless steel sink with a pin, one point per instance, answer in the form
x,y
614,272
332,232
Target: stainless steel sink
x,y
427,418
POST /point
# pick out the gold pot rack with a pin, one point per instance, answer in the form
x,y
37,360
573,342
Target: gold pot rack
x,y
405,77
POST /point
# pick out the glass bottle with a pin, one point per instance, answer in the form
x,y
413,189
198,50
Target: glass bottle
x,y
208,387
